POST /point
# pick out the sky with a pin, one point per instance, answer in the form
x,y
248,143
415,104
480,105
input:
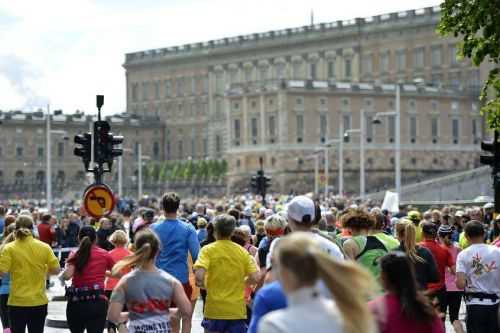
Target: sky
x,y
64,52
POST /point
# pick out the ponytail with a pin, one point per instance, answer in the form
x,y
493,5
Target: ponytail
x,y
349,283
87,236
24,225
147,244
410,242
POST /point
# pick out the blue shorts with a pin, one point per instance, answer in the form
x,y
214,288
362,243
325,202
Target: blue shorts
x,y
229,326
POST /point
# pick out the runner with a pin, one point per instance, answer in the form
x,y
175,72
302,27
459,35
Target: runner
x,y
478,272
28,261
222,269
301,263
5,285
120,251
146,291
87,302
177,239
403,308
421,258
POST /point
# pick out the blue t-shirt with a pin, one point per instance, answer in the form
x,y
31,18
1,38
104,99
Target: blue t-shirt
x,y
2,223
269,298
202,234
177,238
5,286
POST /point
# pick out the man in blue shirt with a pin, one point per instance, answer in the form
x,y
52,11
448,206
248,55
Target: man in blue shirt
x,y
269,298
177,239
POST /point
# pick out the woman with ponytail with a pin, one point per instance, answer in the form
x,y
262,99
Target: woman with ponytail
x,y
146,291
403,308
28,261
421,258
87,302
300,264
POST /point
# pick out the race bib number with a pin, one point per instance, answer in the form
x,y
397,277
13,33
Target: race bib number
x,y
158,324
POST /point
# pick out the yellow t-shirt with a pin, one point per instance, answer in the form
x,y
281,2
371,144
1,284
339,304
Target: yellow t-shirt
x,y
462,241
28,262
227,265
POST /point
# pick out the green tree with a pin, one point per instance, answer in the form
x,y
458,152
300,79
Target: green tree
x,y
478,23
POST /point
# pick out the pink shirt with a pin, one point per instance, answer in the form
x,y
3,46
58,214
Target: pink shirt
x,y
450,279
94,272
117,254
387,311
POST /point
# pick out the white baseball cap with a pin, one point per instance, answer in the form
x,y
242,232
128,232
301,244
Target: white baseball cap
x,y
300,207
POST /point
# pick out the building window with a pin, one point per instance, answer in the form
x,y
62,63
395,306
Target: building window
x,y
455,107
168,88
145,88
193,144
218,109
157,90
237,132
434,106
254,130
312,70
455,79
453,55
218,144
248,74
323,126
436,79
418,58
156,150
193,85
331,69
345,105
219,83
297,68
435,129
205,145
384,62
300,128
179,86
60,149
205,85
369,127
391,123
272,126
180,149
346,119
135,88
436,56
367,64
476,131
168,150
264,70
19,152
40,152
455,130
413,129
280,70
412,105
401,60
19,177
347,68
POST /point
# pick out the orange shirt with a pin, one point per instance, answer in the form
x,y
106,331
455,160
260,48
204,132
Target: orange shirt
x,y
117,254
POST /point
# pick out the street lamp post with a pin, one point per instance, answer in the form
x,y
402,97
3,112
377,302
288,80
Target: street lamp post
x,y
48,174
362,133
341,164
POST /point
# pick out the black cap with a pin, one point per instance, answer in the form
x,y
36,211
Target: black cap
x,y
429,228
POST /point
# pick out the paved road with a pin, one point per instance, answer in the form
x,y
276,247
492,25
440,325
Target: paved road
x,y
57,310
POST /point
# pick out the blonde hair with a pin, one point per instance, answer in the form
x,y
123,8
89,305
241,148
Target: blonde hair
x,y
201,222
24,226
407,231
119,237
349,283
275,222
147,245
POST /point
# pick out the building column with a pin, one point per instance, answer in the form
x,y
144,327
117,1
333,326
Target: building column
x,y
262,120
244,122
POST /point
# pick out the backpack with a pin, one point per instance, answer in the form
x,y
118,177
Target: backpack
x,y
372,249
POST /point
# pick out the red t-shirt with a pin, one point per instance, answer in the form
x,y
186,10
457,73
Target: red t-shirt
x,y
443,259
94,272
117,254
387,310
45,233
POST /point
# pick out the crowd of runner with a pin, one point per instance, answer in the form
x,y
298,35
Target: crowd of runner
x,y
292,264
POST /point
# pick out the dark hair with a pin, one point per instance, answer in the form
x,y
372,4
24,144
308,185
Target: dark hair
x,y
357,219
46,218
399,273
380,221
238,237
170,202
86,236
317,213
210,233
234,213
2,210
474,229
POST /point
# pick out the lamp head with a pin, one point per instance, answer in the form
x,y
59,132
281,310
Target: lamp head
x,y
376,121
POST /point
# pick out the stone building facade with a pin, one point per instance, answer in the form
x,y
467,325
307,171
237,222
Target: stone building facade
x,y
23,149
280,94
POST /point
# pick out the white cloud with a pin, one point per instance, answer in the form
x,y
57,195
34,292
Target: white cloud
x,y
76,48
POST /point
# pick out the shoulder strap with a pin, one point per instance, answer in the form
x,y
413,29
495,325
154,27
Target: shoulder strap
x,y
372,243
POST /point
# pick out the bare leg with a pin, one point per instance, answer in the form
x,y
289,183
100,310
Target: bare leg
x,y
457,326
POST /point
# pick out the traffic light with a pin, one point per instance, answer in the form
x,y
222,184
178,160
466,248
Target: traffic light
x,y
85,149
267,183
111,152
254,184
101,135
493,160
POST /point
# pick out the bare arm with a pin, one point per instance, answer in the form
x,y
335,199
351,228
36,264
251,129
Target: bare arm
x,y
68,272
182,302
351,249
253,278
115,314
461,281
199,275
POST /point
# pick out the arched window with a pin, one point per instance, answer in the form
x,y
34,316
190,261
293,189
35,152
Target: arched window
x,y
19,177
40,177
60,178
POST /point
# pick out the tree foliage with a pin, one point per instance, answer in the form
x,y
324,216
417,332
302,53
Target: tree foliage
x,y
190,170
478,23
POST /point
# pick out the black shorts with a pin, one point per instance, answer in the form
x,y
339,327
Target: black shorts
x,y
453,301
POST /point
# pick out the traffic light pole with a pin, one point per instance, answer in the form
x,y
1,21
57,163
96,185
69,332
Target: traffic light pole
x,y
493,160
